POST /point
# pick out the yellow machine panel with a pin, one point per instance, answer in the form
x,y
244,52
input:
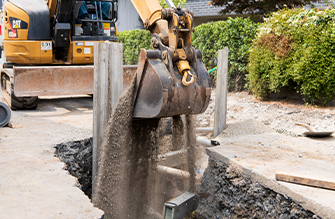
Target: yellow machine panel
x,y
16,23
28,52
82,52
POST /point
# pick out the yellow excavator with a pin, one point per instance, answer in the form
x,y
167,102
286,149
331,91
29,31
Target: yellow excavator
x,y
49,51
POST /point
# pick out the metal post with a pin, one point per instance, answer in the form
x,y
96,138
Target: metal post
x,y
221,92
170,3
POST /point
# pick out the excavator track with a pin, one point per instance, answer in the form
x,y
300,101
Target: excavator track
x,y
14,102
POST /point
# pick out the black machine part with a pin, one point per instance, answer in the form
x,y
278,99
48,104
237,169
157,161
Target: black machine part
x,y
5,114
61,34
39,18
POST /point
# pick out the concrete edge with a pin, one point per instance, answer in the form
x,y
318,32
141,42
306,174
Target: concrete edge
x,y
316,208
75,180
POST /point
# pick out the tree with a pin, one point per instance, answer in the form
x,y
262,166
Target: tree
x,y
261,7
177,3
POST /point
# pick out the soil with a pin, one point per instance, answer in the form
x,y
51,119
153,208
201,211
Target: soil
x,y
277,114
75,122
225,193
77,155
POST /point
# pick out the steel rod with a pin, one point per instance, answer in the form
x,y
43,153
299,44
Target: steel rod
x,y
207,142
170,3
173,171
205,129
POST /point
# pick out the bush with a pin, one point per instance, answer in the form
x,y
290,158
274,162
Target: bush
x,y
133,41
177,3
236,34
294,49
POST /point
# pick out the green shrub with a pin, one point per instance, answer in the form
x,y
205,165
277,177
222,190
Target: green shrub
x,y
133,41
294,49
177,3
236,34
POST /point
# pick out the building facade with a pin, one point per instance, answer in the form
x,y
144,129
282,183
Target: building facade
x,y
203,12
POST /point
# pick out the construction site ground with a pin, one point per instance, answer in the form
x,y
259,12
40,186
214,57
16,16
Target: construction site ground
x,y
33,182
261,139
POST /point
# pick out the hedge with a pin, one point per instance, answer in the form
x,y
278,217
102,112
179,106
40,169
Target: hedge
x,y
295,49
236,34
133,41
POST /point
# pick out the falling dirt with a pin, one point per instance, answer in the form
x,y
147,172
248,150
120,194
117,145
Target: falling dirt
x,y
126,157
126,182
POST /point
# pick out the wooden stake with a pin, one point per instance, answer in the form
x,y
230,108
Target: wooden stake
x,y
319,183
108,87
221,92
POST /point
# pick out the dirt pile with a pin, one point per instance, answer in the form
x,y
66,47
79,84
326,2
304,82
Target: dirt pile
x,y
225,193
278,114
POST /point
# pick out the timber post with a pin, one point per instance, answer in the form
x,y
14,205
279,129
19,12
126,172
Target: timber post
x,y
221,92
108,87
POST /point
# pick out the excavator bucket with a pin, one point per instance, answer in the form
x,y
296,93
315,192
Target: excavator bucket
x,y
159,91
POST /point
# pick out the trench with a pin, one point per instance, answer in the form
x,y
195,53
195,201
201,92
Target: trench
x,y
77,156
224,192
130,187
127,174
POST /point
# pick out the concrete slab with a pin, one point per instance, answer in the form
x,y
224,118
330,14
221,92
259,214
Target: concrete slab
x,y
260,152
33,182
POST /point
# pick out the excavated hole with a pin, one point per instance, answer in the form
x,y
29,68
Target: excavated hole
x,y
77,155
224,193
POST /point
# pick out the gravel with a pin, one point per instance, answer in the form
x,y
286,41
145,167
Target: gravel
x,y
279,114
225,193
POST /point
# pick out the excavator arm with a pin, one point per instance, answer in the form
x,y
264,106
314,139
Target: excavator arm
x,y
174,27
150,12
171,78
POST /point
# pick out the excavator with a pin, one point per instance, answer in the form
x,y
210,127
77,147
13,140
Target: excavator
x,y
49,51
